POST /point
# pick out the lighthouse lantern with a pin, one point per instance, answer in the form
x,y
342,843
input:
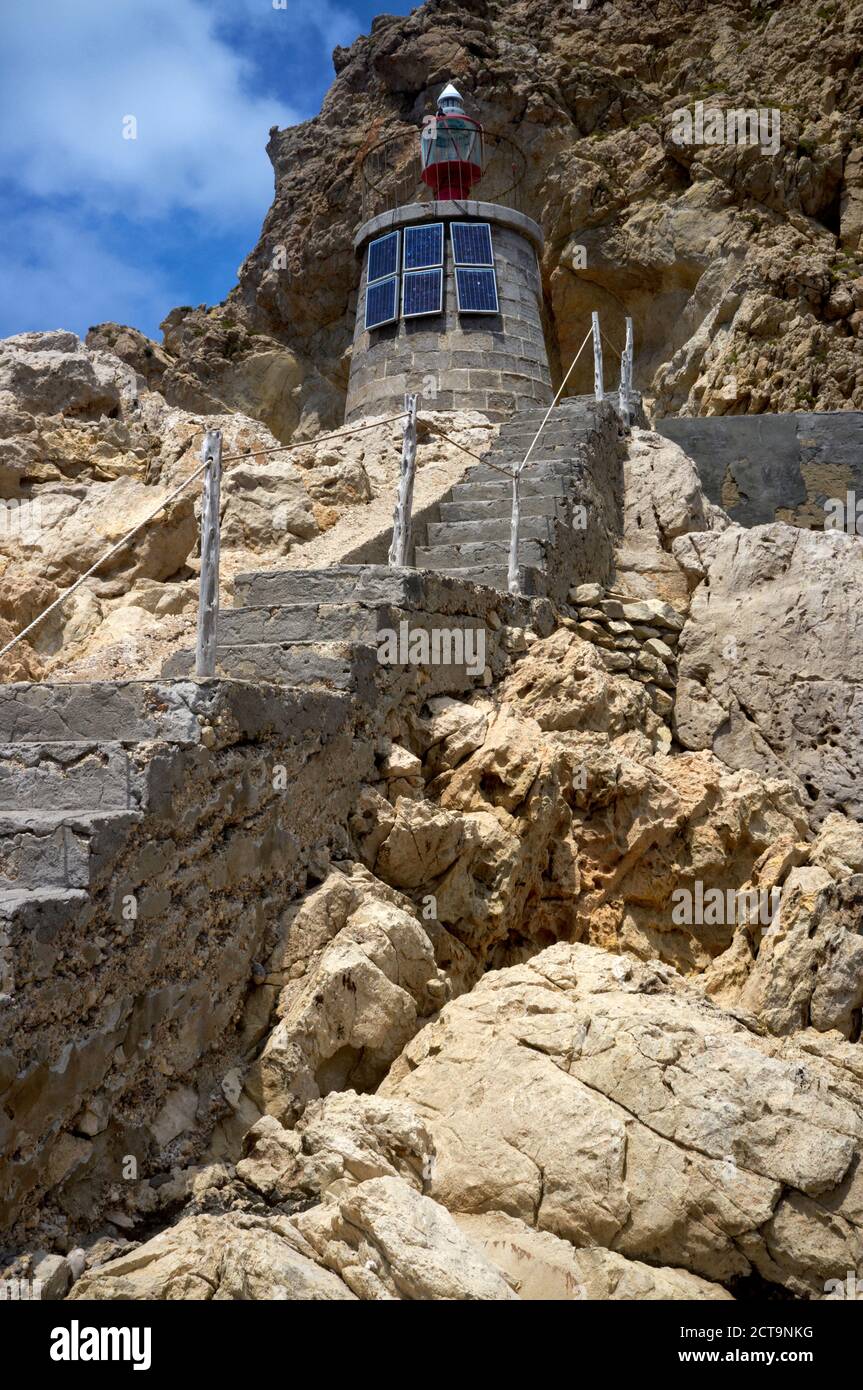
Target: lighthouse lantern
x,y
451,148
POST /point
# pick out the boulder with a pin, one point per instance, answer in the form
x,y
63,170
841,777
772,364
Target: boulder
x,y
607,1102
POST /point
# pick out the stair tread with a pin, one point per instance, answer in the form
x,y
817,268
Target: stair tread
x,y
38,819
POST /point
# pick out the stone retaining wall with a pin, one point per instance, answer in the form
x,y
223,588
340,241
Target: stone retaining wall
x,y
765,468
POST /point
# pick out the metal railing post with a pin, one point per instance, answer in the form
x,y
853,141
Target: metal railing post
x,y
400,547
208,598
598,387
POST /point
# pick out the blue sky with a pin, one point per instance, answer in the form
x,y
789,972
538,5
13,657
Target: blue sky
x,y
96,226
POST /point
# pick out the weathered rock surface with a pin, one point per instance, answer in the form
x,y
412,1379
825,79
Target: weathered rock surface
x,y
543,1266
680,1136
388,1241
222,1257
663,500
356,998
338,1142
806,971
771,659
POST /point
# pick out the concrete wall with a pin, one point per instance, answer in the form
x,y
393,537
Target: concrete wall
x,y
492,363
764,468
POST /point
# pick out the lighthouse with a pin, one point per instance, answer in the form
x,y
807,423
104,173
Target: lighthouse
x,y
450,301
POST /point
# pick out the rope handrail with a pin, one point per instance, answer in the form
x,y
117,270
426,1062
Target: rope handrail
x,y
118,545
523,463
512,569
507,472
609,343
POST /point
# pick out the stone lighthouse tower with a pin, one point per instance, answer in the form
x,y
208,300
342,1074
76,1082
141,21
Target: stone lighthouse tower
x,y
450,298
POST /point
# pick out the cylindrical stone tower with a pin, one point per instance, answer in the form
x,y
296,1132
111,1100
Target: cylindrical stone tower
x,y
450,298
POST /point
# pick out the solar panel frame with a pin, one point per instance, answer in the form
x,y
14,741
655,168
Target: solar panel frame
x,y
413,276
374,271
430,259
387,281
464,237
464,292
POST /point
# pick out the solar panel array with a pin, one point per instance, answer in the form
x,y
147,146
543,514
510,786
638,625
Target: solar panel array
x,y
382,302
422,272
471,243
423,246
422,292
384,256
476,291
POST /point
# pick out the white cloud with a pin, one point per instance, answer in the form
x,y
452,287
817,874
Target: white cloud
x,y
59,273
193,75
73,69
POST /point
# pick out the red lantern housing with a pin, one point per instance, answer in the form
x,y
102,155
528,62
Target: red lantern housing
x,y
451,148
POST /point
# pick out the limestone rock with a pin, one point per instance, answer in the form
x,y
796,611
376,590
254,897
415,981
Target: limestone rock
x,y
809,968
542,1266
387,1241
231,1256
357,1003
679,1135
340,1141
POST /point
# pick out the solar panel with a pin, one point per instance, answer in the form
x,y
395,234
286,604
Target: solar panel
x,y
471,243
476,291
423,246
422,292
384,256
382,302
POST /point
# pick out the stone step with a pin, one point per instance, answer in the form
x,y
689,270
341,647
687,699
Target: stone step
x,y
408,589
341,584
309,622
343,666
509,456
100,711
560,432
542,469
43,849
531,578
486,509
69,777
478,555
467,492
535,528
26,911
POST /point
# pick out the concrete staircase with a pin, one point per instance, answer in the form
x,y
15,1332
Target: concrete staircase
x,y
73,785
573,466
322,629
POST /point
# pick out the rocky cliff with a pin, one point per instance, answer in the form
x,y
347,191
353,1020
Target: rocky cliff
x,y
741,266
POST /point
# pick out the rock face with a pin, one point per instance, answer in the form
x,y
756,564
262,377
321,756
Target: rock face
x,y
771,658
740,265
680,1136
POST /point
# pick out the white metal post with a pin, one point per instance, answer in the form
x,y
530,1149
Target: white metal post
x,y
512,577
400,547
598,388
208,598
630,356
625,392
